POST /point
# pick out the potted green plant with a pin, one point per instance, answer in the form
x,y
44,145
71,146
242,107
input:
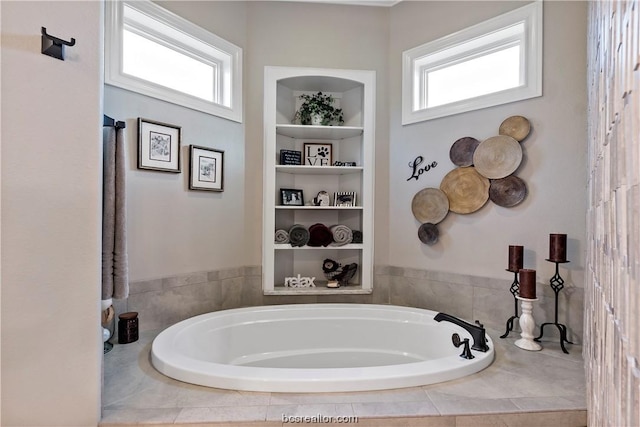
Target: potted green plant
x,y
318,109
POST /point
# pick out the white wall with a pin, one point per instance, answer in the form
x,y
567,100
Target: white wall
x,y
173,230
554,165
51,205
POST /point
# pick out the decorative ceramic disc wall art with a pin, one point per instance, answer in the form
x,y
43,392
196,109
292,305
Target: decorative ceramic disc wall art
x,y
507,192
517,127
485,171
430,205
461,152
497,157
466,189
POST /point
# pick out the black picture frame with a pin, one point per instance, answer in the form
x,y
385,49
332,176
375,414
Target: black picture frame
x,y
159,146
291,197
290,157
206,169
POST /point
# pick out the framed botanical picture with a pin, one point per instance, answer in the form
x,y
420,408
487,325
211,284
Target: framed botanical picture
x,y
158,146
291,197
317,154
345,198
206,169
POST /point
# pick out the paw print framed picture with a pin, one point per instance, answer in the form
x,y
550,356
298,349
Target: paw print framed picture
x,y
318,154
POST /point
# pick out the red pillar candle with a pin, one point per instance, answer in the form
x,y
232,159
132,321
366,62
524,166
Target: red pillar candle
x,y
558,247
527,283
515,258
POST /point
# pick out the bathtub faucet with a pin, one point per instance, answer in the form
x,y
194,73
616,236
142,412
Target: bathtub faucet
x,y
477,331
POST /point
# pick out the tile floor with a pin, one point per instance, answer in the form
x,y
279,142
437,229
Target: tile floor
x,y
520,388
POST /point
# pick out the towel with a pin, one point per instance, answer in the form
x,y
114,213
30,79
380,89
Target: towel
x,y
357,236
342,235
282,236
115,265
320,235
298,235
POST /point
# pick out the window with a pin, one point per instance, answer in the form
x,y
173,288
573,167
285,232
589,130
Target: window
x,y
154,52
492,63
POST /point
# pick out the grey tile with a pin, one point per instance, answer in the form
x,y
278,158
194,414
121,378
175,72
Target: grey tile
x,y
450,405
199,396
278,412
222,414
145,286
253,270
412,394
551,403
395,409
184,280
230,273
231,292
252,294
150,308
494,307
139,416
187,301
213,275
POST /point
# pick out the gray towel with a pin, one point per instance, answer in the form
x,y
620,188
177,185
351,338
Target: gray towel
x,y
115,265
282,236
342,235
298,235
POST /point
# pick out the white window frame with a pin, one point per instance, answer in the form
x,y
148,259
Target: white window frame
x,y
447,51
226,57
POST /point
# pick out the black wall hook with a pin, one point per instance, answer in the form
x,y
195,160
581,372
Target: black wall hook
x,y
54,46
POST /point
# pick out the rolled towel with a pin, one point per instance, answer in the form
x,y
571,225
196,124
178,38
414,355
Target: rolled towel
x,y
298,235
357,236
342,235
320,235
282,236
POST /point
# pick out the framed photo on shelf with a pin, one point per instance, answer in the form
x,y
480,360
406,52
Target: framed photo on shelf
x,y
206,169
318,154
344,198
158,146
291,197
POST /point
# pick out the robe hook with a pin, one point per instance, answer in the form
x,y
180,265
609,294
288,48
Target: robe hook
x,y
53,46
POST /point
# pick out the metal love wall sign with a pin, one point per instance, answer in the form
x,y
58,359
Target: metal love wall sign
x,y
417,169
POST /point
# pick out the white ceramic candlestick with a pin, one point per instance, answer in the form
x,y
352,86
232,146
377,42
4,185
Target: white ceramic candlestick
x,y
527,325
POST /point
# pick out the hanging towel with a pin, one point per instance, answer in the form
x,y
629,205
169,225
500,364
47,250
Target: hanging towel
x,y
298,235
115,266
342,235
320,235
282,236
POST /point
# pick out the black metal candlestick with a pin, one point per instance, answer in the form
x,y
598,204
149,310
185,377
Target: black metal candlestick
x,y
514,289
557,284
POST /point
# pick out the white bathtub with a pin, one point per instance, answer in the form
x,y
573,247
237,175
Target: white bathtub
x,y
315,348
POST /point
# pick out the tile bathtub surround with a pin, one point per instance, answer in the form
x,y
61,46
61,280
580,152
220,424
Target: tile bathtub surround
x,y
165,301
519,386
485,299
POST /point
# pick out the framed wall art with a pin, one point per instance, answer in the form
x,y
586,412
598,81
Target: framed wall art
x,y
158,146
206,169
317,154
